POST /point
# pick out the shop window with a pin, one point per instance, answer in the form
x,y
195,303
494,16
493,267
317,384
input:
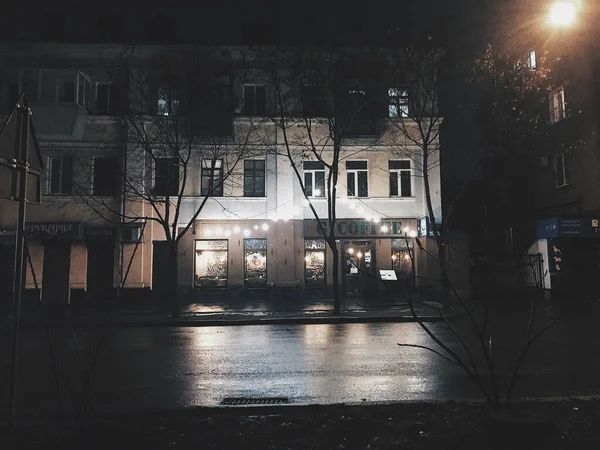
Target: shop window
x,y
254,178
314,178
356,178
400,179
314,262
211,263
106,171
401,257
60,175
212,177
255,263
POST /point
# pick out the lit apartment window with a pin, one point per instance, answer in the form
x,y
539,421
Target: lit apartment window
x,y
254,178
106,99
531,60
557,105
357,178
255,100
166,177
397,102
60,175
212,177
562,175
400,178
314,178
105,176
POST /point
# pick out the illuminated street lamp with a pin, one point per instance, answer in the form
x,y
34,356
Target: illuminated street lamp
x,y
562,14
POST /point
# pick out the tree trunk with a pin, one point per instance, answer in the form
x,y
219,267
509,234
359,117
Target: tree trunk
x,y
172,279
336,279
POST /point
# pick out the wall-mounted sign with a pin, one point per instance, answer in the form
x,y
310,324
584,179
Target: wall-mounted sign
x,y
556,227
55,230
352,228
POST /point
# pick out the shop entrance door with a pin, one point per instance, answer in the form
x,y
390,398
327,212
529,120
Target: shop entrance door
x,y
359,268
55,276
100,270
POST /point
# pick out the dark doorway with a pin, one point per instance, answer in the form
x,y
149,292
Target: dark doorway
x,y
576,263
160,268
55,277
359,266
100,270
7,267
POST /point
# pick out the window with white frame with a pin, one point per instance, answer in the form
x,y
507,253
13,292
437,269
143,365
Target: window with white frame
x,y
357,176
397,102
400,178
314,178
557,105
562,174
531,59
56,86
212,177
60,175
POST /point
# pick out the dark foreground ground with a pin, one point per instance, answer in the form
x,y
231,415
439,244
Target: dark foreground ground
x,y
402,426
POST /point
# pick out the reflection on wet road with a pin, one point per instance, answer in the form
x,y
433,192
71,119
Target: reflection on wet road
x,y
177,367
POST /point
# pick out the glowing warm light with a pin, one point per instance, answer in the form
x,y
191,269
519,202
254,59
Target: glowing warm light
x,y
413,234
394,257
265,226
256,227
405,230
352,206
307,259
246,232
407,257
562,14
359,255
376,219
384,229
236,230
317,192
351,251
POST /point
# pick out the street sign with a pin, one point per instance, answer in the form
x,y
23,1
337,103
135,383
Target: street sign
x,y
10,140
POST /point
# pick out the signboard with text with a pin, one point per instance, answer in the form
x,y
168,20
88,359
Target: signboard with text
x,y
557,227
357,228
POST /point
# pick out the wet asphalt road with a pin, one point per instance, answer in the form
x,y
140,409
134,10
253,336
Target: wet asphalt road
x,y
141,368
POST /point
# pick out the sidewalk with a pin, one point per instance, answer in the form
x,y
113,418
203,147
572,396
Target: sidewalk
x,y
235,312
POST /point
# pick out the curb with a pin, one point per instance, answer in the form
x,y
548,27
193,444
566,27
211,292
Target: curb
x,y
168,322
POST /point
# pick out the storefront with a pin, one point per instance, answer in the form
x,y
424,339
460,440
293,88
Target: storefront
x,y
365,248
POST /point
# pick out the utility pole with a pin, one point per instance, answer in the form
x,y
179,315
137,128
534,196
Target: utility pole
x,y
20,167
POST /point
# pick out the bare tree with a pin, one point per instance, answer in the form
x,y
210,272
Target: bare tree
x,y
315,108
178,122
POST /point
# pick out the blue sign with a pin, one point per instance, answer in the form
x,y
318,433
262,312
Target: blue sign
x,y
556,227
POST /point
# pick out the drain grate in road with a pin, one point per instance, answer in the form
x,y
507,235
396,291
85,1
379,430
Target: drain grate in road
x,y
240,401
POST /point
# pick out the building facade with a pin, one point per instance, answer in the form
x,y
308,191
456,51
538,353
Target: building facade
x,y
241,204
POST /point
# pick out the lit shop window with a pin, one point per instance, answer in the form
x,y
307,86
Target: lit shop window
x,y
314,262
255,257
401,256
211,263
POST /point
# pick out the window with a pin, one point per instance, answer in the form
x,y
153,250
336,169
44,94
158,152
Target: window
x,y
167,102
314,262
255,100
106,99
400,179
255,258
314,102
397,102
60,175
254,178
557,105
562,178
531,60
83,91
211,263
212,177
109,28
166,176
105,176
356,178
314,178
401,257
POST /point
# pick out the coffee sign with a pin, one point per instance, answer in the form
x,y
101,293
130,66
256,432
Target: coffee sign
x,y
353,228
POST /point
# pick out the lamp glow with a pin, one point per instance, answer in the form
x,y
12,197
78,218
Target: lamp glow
x,y
246,232
384,229
236,229
359,255
317,192
413,234
265,226
562,14
256,227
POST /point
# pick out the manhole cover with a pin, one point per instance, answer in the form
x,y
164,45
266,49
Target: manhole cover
x,y
234,401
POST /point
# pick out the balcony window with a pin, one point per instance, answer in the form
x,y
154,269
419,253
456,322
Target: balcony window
x,y
56,86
